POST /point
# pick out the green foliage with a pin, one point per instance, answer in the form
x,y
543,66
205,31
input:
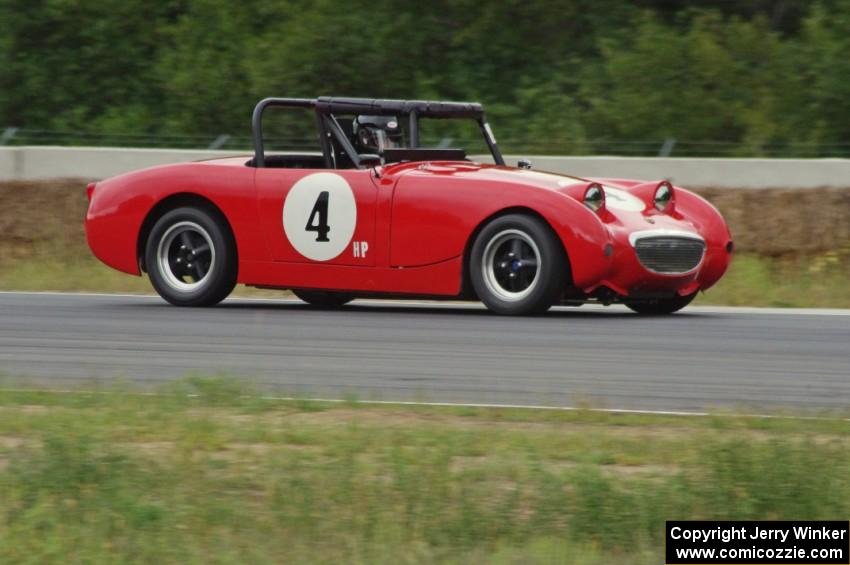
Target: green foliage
x,y
121,477
749,78
793,282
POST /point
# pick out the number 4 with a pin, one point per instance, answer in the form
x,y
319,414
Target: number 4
x,y
318,221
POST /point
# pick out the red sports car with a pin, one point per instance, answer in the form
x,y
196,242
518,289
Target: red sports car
x,y
376,214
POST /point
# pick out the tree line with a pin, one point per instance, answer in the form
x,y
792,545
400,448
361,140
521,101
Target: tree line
x,y
749,78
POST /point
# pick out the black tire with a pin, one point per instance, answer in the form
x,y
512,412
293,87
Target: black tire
x,y
660,306
501,269
323,298
184,235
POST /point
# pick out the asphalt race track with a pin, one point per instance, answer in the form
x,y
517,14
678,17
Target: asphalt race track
x,y
700,359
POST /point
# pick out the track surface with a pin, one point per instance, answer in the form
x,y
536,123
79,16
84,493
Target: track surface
x,y
701,358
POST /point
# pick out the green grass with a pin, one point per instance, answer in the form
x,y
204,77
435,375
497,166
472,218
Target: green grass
x,y
815,282
822,281
82,274
50,273
207,471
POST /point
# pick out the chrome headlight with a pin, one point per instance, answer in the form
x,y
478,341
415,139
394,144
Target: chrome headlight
x,y
594,197
663,196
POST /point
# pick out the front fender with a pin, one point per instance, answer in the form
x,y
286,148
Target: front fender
x,y
586,239
433,220
714,229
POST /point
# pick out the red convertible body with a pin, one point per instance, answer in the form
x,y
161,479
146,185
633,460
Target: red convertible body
x,y
406,228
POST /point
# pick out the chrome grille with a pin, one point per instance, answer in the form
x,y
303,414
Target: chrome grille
x,y
670,255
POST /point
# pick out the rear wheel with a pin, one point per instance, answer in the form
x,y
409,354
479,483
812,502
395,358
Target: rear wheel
x,y
324,299
517,265
660,306
191,257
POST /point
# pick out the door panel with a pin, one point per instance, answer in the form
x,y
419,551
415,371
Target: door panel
x,y
318,216
431,219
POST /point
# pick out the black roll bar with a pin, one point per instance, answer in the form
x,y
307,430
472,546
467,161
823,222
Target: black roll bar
x,y
327,106
257,122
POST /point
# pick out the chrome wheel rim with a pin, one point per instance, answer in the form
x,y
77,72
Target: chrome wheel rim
x,y
511,265
186,256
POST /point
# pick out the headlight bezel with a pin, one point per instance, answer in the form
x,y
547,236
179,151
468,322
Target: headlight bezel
x,y
594,197
663,197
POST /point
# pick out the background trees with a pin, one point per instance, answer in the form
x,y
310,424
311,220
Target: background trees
x,y
580,76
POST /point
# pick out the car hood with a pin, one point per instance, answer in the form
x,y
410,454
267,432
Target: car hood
x,y
618,197
628,203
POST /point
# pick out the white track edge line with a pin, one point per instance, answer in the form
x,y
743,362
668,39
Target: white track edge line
x,y
676,413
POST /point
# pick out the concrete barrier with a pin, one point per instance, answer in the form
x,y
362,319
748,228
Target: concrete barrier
x,y
9,164
34,163
707,172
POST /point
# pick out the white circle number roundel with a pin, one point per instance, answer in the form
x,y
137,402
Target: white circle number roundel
x,y
319,216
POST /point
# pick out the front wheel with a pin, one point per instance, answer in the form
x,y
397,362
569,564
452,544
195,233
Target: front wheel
x,y
323,299
660,306
191,257
518,265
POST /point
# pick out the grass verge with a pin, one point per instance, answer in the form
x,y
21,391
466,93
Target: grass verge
x,y
209,472
816,282
821,281
84,274
795,243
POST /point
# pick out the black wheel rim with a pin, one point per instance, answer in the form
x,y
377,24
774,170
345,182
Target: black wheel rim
x,y
511,265
186,256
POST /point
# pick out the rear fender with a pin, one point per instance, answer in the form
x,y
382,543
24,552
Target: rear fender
x,y
124,207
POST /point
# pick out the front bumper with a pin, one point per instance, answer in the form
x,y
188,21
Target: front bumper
x,y
661,263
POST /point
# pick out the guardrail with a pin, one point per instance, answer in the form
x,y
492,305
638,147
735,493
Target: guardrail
x,y
34,163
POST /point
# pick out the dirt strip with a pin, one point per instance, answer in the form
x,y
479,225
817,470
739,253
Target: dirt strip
x,y
770,222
